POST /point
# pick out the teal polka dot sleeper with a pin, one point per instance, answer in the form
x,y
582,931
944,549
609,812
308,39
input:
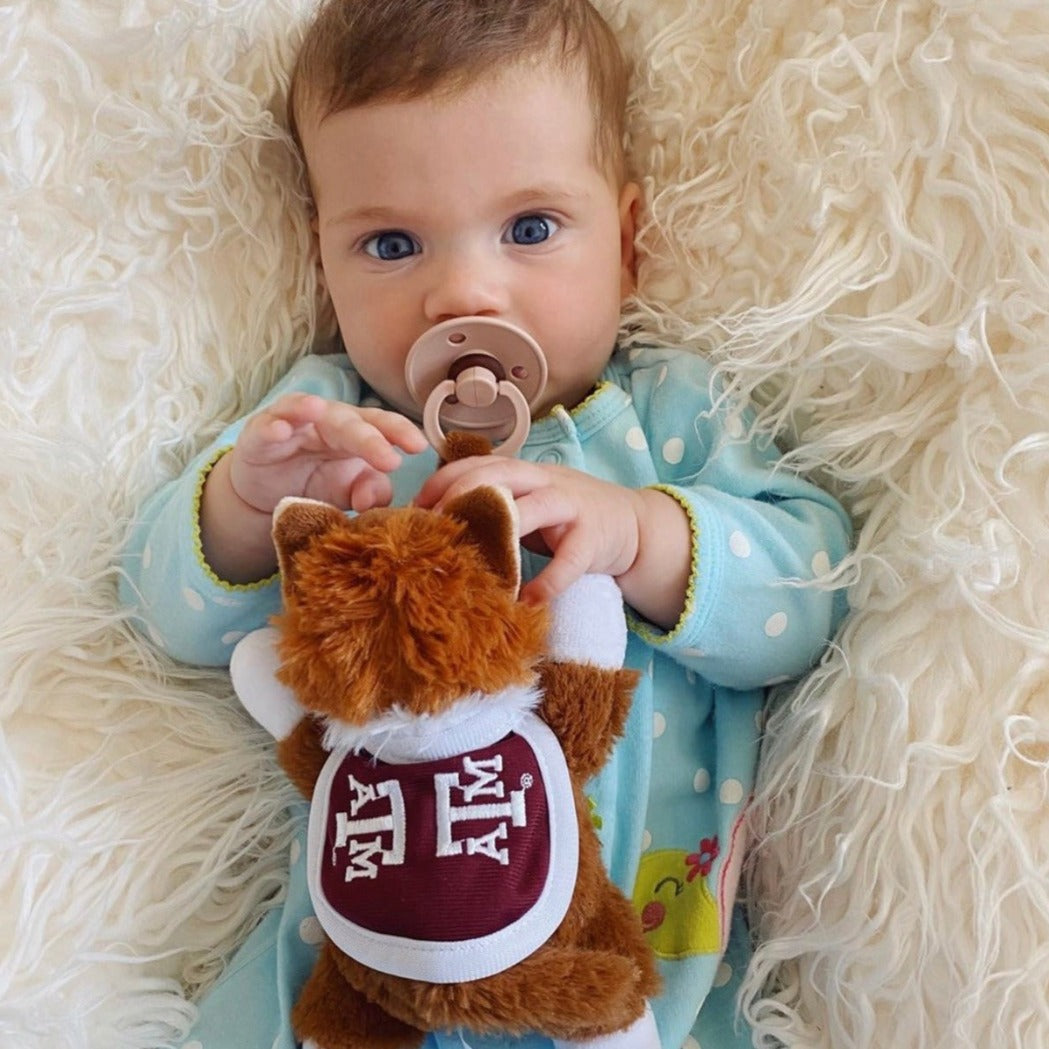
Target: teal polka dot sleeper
x,y
670,804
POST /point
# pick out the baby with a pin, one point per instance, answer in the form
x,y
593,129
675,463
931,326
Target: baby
x,y
465,159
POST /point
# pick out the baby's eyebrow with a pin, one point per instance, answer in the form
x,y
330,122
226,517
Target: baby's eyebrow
x,y
370,214
545,195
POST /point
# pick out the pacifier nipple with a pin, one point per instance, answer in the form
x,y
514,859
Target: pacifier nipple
x,y
476,374
477,377
476,387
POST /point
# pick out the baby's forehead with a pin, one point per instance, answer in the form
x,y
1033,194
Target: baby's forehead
x,y
502,92
314,104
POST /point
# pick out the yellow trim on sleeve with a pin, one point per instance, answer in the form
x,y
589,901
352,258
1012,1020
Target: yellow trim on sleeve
x,y
642,627
198,543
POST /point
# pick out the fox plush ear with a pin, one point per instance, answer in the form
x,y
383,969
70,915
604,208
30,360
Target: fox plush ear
x,y
492,525
295,523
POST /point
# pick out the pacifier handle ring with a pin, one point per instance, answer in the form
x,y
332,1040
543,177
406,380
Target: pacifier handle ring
x,y
481,375
510,446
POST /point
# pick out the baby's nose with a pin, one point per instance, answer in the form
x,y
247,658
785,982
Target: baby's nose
x,y
467,286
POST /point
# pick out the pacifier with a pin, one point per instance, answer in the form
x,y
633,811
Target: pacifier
x,y
476,374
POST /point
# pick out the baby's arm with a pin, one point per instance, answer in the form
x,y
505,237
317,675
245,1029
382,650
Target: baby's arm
x,y
172,591
717,560
764,540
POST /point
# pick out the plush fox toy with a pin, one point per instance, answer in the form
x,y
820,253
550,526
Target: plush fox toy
x,y
443,730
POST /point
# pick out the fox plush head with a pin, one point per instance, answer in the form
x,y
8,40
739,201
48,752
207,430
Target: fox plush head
x,y
396,606
443,730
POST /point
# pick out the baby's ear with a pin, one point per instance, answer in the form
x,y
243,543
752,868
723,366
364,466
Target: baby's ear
x,y
492,525
295,523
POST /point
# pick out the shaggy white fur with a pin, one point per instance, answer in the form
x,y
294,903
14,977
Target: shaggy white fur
x,y
846,207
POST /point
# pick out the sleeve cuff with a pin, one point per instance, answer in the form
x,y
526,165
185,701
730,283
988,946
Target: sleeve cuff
x,y
702,581
206,572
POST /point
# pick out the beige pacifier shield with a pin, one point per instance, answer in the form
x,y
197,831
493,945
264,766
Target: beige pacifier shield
x,y
474,346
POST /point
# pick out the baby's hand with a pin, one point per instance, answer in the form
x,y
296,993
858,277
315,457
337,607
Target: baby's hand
x,y
304,445
587,524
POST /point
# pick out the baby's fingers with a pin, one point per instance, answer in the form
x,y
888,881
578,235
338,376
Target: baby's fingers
x,y
278,423
371,434
398,429
457,478
571,560
348,483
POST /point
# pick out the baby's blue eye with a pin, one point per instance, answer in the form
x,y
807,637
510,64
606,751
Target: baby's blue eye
x,y
390,247
532,229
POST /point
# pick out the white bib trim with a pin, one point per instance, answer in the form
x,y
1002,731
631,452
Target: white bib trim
x,y
474,721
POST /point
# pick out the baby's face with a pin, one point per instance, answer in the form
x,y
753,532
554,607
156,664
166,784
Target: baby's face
x,y
490,202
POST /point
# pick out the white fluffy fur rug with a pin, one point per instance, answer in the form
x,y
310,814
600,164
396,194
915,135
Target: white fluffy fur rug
x,y
847,207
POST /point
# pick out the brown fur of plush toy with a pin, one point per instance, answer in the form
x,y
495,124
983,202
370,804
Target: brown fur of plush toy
x,y
418,608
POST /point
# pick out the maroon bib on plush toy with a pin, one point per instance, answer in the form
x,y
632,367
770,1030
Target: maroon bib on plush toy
x,y
446,869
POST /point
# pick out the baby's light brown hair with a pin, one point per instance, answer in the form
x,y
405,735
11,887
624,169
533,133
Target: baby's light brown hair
x,y
356,52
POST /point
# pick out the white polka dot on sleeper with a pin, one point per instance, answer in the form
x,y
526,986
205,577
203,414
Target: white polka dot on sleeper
x,y
821,563
646,840
723,975
635,438
232,637
295,852
662,376
193,599
310,931
701,781
147,556
739,544
690,1043
776,624
674,451
659,725
731,792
